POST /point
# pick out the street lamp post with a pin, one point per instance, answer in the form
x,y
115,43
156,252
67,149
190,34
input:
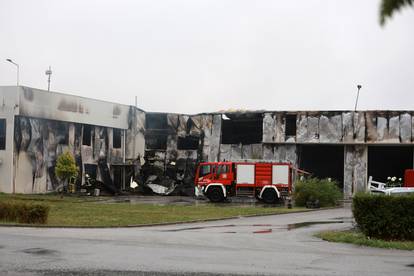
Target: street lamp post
x,y
356,102
18,69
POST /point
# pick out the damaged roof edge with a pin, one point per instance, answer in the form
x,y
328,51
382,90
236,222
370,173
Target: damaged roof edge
x,y
74,95
230,111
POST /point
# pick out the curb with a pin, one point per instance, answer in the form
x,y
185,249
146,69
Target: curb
x,y
162,223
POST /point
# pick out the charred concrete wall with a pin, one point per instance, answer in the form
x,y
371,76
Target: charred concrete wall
x,y
174,143
356,130
39,142
355,169
389,127
42,125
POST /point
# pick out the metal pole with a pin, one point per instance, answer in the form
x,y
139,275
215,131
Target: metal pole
x,y
48,73
18,73
124,159
356,102
18,69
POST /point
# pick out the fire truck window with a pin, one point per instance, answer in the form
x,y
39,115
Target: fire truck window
x,y
223,169
204,170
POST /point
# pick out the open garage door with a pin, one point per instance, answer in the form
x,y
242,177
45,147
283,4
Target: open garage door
x,y
323,161
385,161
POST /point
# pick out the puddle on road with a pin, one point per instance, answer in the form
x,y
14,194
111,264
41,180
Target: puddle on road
x,y
198,228
310,223
39,251
410,265
272,227
264,231
187,201
344,218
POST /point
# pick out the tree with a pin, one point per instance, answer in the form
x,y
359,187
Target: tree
x,y
66,167
388,7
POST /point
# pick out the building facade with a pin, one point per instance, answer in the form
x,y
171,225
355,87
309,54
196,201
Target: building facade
x,y
115,142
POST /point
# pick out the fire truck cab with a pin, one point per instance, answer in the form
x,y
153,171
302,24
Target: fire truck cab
x,y
269,182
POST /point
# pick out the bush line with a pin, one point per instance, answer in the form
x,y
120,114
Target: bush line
x,y
385,217
22,212
311,190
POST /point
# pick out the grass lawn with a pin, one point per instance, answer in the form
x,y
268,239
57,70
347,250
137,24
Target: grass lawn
x,y
356,237
88,211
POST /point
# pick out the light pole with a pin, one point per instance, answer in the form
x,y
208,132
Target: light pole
x,y
17,65
48,73
356,102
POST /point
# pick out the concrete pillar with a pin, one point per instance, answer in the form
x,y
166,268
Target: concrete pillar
x,y
355,169
215,139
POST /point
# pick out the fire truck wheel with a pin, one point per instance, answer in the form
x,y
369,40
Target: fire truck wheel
x,y
215,194
269,196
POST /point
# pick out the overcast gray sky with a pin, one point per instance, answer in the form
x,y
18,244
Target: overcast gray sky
x,y
207,55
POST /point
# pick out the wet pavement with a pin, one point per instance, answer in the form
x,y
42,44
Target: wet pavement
x,y
268,245
182,200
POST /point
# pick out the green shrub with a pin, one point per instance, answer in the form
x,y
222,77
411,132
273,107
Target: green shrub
x,y
22,212
385,217
66,166
312,189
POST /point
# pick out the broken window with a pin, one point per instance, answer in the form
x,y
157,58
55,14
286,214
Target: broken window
x,y
118,179
90,170
2,134
290,125
122,176
244,128
156,141
157,131
62,133
389,161
188,143
156,121
87,135
116,138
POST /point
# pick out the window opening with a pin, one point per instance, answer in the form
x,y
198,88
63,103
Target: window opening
x,y
156,141
87,135
2,134
116,138
156,121
187,143
62,133
290,125
242,128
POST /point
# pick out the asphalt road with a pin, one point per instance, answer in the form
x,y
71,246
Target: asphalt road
x,y
269,245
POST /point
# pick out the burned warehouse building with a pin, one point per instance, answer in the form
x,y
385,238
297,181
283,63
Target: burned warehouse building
x,y
117,143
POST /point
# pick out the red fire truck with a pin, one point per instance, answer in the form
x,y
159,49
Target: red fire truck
x,y
267,181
